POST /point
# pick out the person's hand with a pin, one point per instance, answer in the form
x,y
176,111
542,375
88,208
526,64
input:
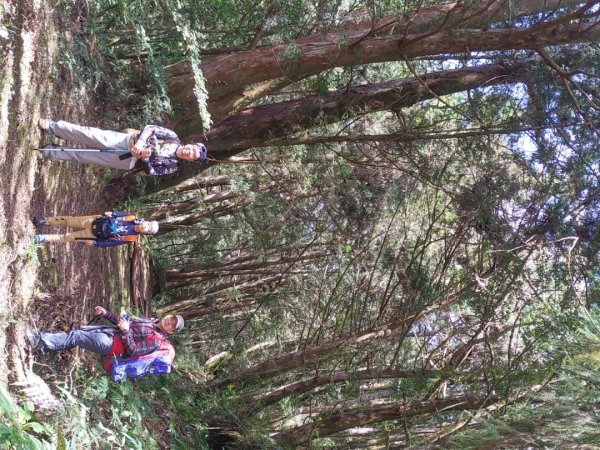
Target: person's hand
x,y
140,150
108,214
89,242
123,324
99,310
143,154
138,146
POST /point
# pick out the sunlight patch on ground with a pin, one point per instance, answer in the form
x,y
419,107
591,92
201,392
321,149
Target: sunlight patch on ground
x,y
25,283
7,253
6,73
23,169
6,93
25,66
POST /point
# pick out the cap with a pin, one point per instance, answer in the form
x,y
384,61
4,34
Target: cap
x,y
153,226
203,151
180,323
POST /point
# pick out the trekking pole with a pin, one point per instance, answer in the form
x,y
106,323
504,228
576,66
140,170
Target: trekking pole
x,y
126,154
95,319
92,324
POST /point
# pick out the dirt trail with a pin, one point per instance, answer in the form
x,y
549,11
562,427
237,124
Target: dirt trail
x,y
37,80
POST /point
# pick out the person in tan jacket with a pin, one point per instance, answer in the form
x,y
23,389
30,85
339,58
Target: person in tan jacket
x,y
101,230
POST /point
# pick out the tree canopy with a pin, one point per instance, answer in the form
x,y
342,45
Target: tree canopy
x,y
407,227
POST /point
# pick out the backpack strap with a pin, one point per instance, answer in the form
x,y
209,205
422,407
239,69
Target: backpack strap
x,y
104,228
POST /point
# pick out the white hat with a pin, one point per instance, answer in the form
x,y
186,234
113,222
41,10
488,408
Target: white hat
x,y
180,323
153,226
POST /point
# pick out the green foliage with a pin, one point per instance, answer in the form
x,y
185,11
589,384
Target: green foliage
x,y
18,427
148,413
103,414
172,393
491,434
564,413
192,46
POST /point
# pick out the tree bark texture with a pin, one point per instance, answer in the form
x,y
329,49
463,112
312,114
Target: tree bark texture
x,y
264,125
182,276
191,184
221,293
178,208
312,355
173,223
430,31
342,421
277,394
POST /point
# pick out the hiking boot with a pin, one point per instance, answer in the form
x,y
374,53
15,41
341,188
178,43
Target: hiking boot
x,y
39,238
45,149
44,124
39,220
33,338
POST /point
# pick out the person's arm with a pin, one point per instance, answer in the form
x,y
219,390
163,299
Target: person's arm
x,y
141,151
110,316
159,132
162,166
139,347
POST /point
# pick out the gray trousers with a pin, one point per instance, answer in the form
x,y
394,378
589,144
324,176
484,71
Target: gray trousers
x,y
97,339
92,138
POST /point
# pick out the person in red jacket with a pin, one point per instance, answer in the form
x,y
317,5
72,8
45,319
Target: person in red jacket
x,y
130,337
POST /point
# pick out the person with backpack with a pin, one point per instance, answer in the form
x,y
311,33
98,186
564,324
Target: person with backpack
x,y
104,230
131,347
155,151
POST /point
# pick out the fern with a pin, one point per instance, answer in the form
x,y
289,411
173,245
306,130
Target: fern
x,y
17,425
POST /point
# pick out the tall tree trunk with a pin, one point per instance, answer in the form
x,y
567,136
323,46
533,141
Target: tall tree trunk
x,y
428,31
311,355
180,276
223,307
263,125
171,209
224,292
277,394
406,136
191,184
342,421
174,223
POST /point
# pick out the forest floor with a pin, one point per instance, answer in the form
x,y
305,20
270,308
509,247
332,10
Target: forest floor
x,y
52,286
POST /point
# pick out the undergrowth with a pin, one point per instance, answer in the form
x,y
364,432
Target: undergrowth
x,y
19,429
144,414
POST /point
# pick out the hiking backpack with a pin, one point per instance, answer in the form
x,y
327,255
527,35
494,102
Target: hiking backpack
x,y
105,228
155,363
